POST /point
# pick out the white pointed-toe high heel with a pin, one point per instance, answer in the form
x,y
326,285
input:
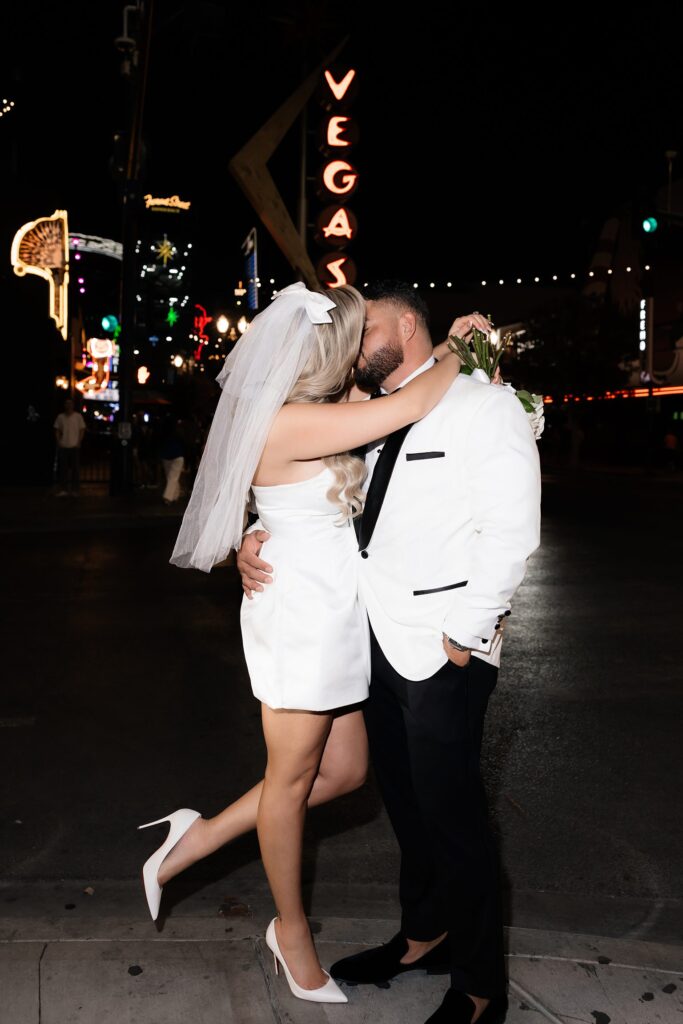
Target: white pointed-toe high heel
x,y
327,993
179,823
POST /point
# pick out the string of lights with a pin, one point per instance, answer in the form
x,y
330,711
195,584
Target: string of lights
x,y
537,279
529,280
7,105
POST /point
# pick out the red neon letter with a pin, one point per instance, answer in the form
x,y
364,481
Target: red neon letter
x,y
334,129
338,225
335,268
339,88
347,181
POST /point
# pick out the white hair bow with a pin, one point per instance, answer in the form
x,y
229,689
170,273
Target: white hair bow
x,y
315,304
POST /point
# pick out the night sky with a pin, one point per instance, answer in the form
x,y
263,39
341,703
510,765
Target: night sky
x,y
491,143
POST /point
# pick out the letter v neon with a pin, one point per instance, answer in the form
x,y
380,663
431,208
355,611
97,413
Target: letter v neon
x,y
339,88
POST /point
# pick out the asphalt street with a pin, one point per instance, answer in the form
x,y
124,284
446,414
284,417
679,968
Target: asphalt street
x,y
126,696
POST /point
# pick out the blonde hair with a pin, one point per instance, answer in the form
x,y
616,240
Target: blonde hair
x,y
326,377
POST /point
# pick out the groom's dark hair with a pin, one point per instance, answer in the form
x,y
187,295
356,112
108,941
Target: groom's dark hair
x,y
401,294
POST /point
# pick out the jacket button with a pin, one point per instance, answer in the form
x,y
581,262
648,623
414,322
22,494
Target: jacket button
x,y
363,554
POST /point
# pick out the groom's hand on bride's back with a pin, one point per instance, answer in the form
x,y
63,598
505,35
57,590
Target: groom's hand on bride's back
x,y
253,570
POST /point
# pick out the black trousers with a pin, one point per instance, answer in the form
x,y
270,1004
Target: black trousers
x,y
68,468
425,742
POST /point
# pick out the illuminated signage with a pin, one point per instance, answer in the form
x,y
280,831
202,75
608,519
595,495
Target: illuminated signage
x,y
165,251
169,203
250,250
335,127
95,244
340,178
41,247
101,348
106,395
337,226
339,89
200,322
101,351
335,270
644,324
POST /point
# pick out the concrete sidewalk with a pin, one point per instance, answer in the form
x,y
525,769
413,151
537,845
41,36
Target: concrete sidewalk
x,y
69,955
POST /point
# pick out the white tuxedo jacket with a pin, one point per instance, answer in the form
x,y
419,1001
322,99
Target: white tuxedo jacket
x,y
459,517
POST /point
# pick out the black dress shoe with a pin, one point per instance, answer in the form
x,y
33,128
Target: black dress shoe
x,y
379,965
458,1008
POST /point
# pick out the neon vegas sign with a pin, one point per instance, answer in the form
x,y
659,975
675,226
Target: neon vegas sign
x,y
337,225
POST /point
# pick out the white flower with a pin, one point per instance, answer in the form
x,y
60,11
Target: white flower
x,y
537,417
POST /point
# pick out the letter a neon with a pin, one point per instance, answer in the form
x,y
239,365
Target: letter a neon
x,y
339,225
339,88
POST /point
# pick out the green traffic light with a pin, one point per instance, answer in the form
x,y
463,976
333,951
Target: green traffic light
x,y
650,225
109,323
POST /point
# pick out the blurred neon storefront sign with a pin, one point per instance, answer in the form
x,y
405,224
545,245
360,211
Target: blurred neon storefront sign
x,y
168,203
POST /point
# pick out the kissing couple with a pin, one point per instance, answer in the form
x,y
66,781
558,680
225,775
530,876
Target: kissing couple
x,y
391,536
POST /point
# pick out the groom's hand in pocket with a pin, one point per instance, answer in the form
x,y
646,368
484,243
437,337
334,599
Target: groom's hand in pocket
x,y
459,658
253,570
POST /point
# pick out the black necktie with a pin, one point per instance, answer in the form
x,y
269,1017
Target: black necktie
x,y
378,485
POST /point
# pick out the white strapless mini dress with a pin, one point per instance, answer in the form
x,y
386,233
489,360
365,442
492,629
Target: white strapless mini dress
x,y
306,635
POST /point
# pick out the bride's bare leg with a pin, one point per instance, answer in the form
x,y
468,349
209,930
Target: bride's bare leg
x,y
295,742
343,768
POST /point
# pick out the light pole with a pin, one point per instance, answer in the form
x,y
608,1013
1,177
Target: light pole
x,y
134,46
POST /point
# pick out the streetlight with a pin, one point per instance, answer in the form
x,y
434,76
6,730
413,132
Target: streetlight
x,y
242,324
222,324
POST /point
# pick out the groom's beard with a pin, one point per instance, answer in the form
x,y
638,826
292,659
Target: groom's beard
x,y
379,366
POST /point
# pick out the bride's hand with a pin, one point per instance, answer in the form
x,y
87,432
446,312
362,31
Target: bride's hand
x,y
463,326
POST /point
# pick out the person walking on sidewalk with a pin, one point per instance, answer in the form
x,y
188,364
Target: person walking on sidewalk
x,y
69,433
173,461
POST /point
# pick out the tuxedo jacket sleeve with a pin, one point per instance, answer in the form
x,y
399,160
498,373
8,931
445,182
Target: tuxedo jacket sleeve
x,y
504,485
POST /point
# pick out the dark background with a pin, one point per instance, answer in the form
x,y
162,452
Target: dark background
x,y
494,141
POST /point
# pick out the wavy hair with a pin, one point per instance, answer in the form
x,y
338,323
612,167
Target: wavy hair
x,y
327,377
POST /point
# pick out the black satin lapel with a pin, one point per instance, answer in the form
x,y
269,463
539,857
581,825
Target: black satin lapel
x,y
379,483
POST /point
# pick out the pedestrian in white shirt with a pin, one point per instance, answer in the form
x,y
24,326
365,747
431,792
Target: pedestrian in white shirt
x,y
69,432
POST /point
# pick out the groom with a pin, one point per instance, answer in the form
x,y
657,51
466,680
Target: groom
x,y
450,519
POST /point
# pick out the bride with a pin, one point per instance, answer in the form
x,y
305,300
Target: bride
x,y
282,432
